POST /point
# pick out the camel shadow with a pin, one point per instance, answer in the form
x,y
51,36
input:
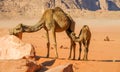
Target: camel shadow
x,y
38,57
48,63
45,64
102,60
52,61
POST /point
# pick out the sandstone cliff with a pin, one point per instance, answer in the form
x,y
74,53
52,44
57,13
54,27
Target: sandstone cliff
x,y
11,8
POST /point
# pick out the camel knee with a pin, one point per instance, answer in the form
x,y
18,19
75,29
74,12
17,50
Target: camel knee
x,y
54,44
80,49
48,44
86,50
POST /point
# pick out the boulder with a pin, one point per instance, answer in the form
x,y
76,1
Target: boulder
x,y
107,38
12,47
62,68
33,67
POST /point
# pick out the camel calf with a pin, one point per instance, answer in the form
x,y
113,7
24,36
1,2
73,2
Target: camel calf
x,y
83,38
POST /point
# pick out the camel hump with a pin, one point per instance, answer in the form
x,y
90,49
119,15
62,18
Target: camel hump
x,y
61,17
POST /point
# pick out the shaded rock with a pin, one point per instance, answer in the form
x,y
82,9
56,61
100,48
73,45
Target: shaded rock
x,y
33,67
21,65
62,68
107,38
12,47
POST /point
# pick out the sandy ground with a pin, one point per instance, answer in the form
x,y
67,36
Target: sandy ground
x,y
103,56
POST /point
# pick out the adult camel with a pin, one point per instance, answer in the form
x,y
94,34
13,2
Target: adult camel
x,y
53,20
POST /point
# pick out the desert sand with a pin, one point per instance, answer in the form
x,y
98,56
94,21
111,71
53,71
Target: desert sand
x,y
104,56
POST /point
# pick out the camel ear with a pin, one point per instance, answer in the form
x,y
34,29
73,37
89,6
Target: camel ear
x,y
73,33
20,24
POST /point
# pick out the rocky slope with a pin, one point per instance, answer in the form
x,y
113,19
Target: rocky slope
x,y
11,8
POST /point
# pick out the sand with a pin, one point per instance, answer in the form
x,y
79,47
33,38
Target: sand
x,y
104,56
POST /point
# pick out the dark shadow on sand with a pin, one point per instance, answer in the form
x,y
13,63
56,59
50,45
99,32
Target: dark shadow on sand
x,y
45,64
110,60
48,63
101,60
105,60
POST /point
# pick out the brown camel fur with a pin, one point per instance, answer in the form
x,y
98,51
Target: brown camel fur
x,y
83,38
53,20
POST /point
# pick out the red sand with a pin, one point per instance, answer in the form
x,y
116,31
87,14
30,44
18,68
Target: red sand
x,y
103,56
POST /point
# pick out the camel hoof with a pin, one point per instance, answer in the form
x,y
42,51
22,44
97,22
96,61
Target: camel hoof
x,y
78,58
47,56
85,59
56,57
69,58
73,59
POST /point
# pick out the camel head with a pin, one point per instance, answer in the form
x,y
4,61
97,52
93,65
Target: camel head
x,y
73,35
17,31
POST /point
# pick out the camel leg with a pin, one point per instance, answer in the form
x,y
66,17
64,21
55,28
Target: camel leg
x,y
74,48
80,50
87,47
48,43
85,51
55,44
72,45
53,36
70,49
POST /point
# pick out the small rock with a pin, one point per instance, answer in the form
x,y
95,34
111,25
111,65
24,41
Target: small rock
x,y
107,38
62,68
33,67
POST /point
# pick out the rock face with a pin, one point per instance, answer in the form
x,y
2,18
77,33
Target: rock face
x,y
12,47
62,68
36,7
20,7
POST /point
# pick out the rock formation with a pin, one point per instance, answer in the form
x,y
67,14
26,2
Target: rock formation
x,y
62,68
12,47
